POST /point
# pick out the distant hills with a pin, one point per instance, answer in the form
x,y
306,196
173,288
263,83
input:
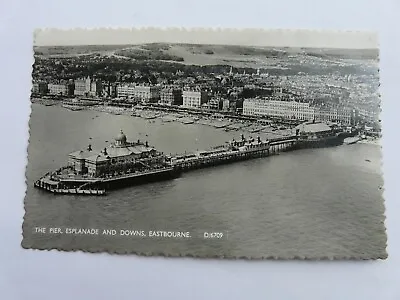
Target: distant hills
x,y
184,52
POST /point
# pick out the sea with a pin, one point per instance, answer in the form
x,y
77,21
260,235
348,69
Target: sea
x,y
314,203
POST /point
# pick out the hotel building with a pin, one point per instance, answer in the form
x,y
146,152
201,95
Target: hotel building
x,y
60,88
82,87
126,90
295,110
87,87
194,98
343,115
147,93
144,93
275,108
39,88
171,96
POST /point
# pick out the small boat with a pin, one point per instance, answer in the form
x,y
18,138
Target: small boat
x,y
186,121
72,107
351,140
367,160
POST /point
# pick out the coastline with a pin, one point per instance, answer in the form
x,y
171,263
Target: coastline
x,y
219,123
247,127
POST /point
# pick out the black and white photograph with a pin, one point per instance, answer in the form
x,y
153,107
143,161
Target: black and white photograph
x,y
236,144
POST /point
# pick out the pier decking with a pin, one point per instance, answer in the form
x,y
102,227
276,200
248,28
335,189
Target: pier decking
x,y
190,161
53,188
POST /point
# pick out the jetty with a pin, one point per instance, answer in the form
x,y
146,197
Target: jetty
x,y
93,172
221,155
55,187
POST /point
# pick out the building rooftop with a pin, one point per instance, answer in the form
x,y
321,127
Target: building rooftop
x,y
313,127
120,148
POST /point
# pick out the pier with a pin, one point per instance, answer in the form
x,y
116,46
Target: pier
x,y
189,161
56,189
139,163
282,144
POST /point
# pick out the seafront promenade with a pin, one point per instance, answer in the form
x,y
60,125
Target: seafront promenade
x,y
267,128
271,128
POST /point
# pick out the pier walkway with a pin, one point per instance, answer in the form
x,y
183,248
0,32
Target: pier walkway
x,y
54,187
59,183
190,161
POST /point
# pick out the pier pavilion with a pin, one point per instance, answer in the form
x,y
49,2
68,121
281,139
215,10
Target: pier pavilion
x,y
314,129
119,155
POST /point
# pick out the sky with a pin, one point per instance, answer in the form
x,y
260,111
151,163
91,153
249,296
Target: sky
x,y
245,37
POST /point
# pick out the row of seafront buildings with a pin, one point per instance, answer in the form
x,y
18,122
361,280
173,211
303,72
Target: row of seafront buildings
x,y
301,110
195,97
79,87
190,97
187,97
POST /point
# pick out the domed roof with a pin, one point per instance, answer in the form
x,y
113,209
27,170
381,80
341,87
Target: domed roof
x,y
121,137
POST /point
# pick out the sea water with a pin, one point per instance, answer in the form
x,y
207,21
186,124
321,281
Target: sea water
x,y
307,203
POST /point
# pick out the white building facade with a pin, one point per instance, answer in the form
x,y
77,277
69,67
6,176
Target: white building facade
x,y
126,90
57,89
194,98
295,110
276,108
144,93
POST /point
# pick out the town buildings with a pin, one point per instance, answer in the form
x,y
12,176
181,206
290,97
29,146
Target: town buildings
x,y
57,89
82,86
214,104
225,105
95,88
61,88
194,97
126,90
147,93
171,96
144,93
39,88
276,108
109,90
292,109
341,114
87,87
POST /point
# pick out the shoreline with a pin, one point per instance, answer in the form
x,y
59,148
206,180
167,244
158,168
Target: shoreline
x,y
226,123
218,123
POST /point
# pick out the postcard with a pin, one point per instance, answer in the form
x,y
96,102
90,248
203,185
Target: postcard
x,y
257,144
